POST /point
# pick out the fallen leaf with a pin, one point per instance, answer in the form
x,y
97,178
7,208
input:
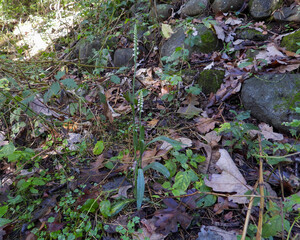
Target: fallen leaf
x,y
212,233
166,30
186,142
122,192
230,180
204,125
166,220
190,110
267,131
149,231
153,122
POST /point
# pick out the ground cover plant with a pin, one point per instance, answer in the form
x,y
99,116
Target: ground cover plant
x,y
149,120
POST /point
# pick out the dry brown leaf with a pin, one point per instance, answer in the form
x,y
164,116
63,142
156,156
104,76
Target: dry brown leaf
x,y
230,180
204,125
190,110
267,131
149,157
148,231
153,122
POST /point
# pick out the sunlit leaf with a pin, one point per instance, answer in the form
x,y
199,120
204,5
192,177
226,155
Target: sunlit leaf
x,y
99,147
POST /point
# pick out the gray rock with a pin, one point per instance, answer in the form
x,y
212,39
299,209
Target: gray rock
x,y
263,9
205,41
227,5
290,41
123,57
85,48
288,14
163,12
195,7
176,40
270,98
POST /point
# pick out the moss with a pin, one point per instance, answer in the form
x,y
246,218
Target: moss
x,y
210,80
290,41
251,34
208,41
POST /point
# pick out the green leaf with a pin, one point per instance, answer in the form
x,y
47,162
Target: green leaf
x,y
59,75
69,83
140,188
274,161
3,210
182,181
54,89
4,221
174,143
244,64
90,205
105,208
99,147
171,166
39,182
115,79
7,150
273,225
117,207
158,167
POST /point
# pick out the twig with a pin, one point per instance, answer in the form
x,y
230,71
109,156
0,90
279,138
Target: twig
x,y
261,191
248,214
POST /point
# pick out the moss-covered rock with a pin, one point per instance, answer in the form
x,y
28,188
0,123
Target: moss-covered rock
x,y
290,41
207,42
250,34
210,80
163,12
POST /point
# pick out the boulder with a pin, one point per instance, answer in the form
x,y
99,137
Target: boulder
x,y
123,57
263,9
271,97
85,48
227,5
202,40
288,14
194,7
163,12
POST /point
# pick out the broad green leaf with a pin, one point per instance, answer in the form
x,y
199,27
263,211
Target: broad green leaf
x,y
117,207
115,79
99,147
273,225
39,182
54,89
90,205
244,64
3,210
182,181
7,150
140,188
105,208
59,75
4,221
158,167
69,83
171,166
